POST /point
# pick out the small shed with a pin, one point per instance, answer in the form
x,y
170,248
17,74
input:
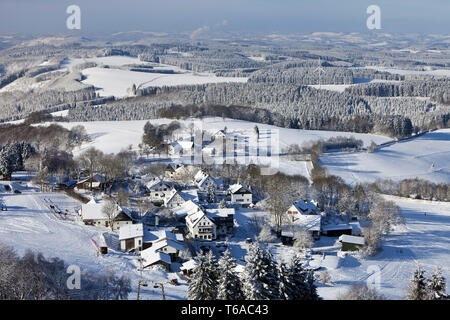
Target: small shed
x,y
188,267
351,243
287,237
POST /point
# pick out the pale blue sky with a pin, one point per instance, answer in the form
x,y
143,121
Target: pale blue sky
x,y
289,16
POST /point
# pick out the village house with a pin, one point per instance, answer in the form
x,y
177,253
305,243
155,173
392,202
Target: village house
x,y
92,213
181,148
157,189
200,226
351,243
171,247
174,171
240,194
131,237
187,208
204,181
97,183
303,207
223,219
173,199
188,267
302,215
152,258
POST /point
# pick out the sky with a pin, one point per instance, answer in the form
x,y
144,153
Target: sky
x,y
266,16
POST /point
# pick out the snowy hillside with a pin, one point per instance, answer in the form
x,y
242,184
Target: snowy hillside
x,y
424,239
29,224
117,82
114,136
426,157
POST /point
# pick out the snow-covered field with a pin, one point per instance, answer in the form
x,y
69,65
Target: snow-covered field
x,y
424,239
437,72
114,136
29,224
426,157
117,82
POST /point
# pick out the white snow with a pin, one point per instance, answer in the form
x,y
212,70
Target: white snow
x,y
423,240
426,157
29,224
117,82
114,136
437,72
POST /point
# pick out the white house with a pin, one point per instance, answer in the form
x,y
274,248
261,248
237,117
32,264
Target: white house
x,y
181,148
170,247
223,219
173,199
131,237
304,215
303,207
240,194
204,180
157,189
200,226
92,213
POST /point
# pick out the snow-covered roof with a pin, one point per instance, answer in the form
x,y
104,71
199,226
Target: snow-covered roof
x,y
189,265
236,187
221,212
308,222
182,144
129,231
305,207
93,210
152,182
285,233
96,177
200,175
168,242
150,256
195,217
186,209
352,239
155,236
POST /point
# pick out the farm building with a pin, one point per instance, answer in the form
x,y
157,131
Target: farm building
x,y
188,267
96,183
92,213
351,243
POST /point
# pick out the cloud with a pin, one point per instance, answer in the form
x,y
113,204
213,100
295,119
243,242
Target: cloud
x,y
198,31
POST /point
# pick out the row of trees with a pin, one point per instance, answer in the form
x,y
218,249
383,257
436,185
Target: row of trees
x,y
415,188
34,277
263,278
